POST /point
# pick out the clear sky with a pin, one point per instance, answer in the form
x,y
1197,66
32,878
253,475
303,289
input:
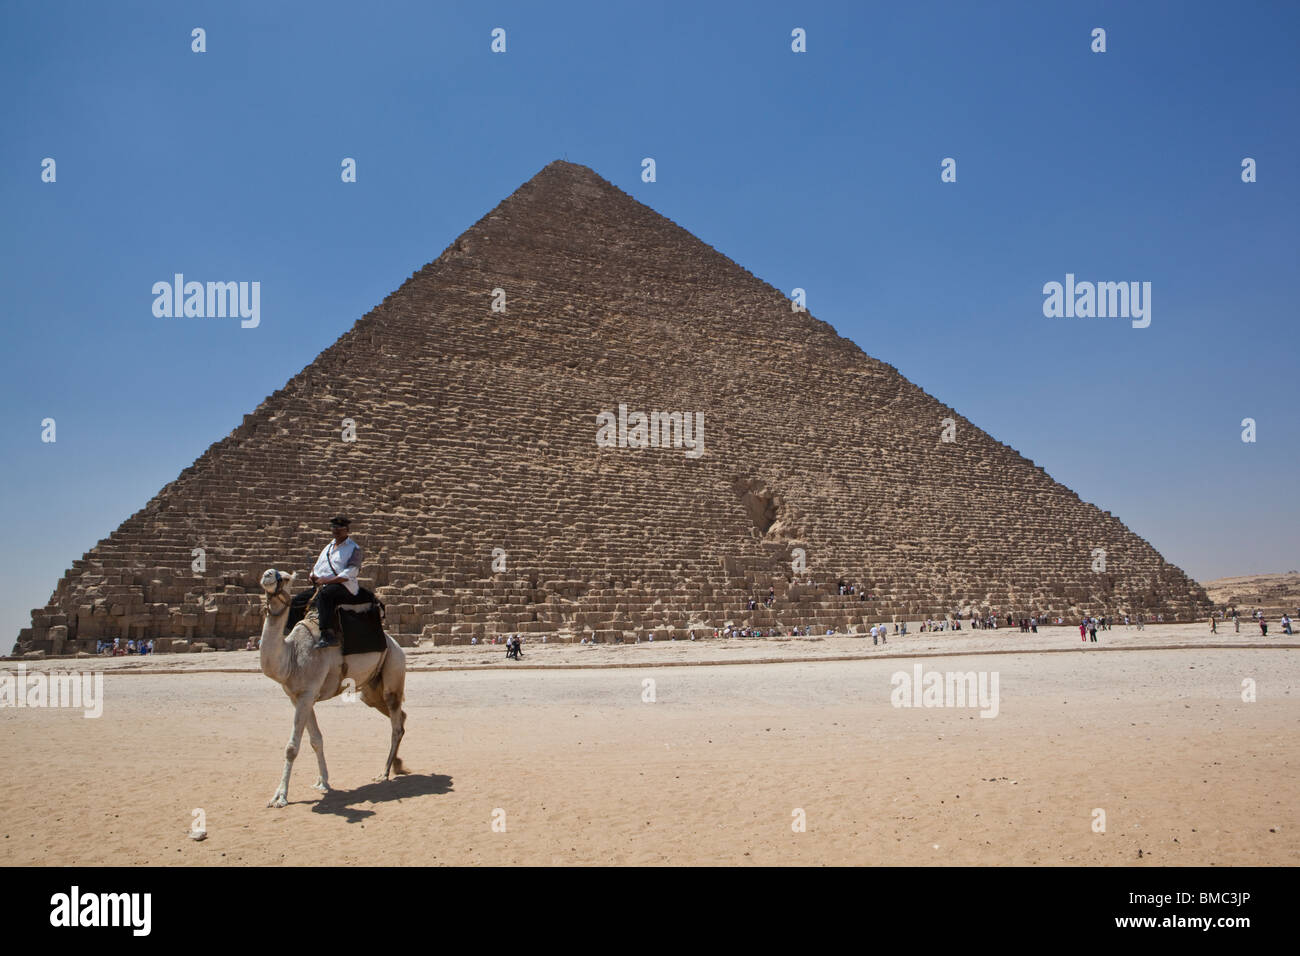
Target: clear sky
x,y
819,170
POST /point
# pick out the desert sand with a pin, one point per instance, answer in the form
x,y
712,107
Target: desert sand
x,y
580,768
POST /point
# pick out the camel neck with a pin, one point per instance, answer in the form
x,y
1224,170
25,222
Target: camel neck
x,y
272,647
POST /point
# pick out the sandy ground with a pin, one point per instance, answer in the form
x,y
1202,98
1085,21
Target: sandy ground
x,y
581,769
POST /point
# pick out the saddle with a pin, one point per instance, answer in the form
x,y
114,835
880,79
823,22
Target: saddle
x,y
360,622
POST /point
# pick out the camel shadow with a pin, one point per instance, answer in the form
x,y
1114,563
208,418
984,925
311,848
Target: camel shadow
x,y
341,802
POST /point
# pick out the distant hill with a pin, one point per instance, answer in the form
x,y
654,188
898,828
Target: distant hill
x,y
1257,590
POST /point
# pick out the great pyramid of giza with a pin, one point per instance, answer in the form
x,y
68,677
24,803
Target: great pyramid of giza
x,y
476,430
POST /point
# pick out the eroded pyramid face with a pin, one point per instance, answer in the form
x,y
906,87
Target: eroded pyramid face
x,y
582,420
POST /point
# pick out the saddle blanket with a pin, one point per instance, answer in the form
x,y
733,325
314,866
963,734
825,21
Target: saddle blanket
x,y
360,622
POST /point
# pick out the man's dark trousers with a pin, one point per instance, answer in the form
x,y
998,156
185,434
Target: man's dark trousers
x,y
328,598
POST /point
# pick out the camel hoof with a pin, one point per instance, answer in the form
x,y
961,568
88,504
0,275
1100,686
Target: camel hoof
x,y
278,800
382,778
321,785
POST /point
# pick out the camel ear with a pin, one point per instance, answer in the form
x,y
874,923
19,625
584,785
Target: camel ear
x,y
293,577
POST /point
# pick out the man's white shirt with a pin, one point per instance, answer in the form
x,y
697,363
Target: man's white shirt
x,y
340,559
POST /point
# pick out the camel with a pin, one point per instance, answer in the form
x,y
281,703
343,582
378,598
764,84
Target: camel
x,y
309,674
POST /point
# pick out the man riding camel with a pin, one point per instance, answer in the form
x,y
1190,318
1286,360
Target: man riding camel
x,y
335,577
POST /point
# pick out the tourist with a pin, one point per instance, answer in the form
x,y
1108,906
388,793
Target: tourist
x,y
335,578
1083,630
1033,625
1092,629
1286,624
1214,629
1263,625
1236,623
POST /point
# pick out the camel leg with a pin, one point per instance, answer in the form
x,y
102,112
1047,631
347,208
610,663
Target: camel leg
x,y
318,744
398,718
302,710
393,684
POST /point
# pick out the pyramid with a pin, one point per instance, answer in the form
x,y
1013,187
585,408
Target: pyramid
x,y
484,502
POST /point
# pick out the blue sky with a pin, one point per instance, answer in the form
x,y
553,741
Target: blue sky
x,y
818,170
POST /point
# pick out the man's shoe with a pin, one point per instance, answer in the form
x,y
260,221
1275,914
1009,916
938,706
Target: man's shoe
x,y
327,639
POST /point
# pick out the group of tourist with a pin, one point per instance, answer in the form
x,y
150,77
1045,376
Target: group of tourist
x,y
116,647
851,589
512,642
729,631
1258,615
942,624
1088,628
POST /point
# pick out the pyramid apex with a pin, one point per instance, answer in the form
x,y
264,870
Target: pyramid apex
x,y
562,168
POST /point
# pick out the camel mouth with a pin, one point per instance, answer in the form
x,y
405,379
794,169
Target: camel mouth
x,y
270,580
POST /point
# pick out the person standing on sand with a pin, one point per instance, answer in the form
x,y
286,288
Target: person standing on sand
x,y
1213,628
1263,625
1092,629
1083,630
1236,623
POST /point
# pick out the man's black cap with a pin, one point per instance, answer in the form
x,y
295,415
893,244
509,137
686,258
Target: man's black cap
x,y
339,521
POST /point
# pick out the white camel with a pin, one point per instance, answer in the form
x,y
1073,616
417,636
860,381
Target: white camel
x,y
309,674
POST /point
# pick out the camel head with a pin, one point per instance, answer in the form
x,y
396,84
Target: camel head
x,y
273,580
277,586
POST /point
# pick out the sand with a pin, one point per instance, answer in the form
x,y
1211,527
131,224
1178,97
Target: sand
x,y
580,769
